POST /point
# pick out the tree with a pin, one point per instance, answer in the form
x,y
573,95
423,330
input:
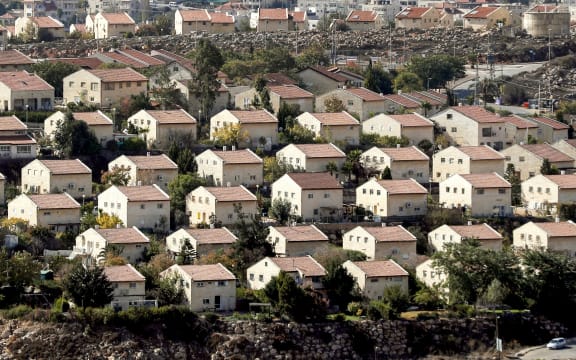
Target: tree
x,y
231,134
339,285
332,167
118,175
312,56
169,292
20,269
187,254
281,210
273,169
207,61
178,189
165,91
287,113
396,299
53,72
386,174
74,138
297,134
407,82
163,24
437,70
512,177
352,165
548,169
88,287
377,80
107,221
333,105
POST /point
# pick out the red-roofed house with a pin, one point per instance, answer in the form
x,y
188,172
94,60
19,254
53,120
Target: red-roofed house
x,y
216,204
147,169
46,28
400,104
519,129
382,242
472,126
21,90
312,195
484,233
15,143
58,212
279,94
98,122
373,277
481,194
160,128
52,176
486,17
130,57
334,127
204,241
567,146
545,20
554,236
546,192
128,284
414,127
528,159
306,271
319,81
272,20
296,240
146,206
418,18
108,25
230,167
103,87
550,130
131,241
258,124
311,157
360,102
398,198
14,60
187,21
206,287
403,162
299,20
466,160
362,20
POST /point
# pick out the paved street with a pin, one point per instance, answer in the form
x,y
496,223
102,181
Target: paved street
x,y
568,353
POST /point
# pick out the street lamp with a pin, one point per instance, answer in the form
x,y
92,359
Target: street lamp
x,y
428,84
549,45
27,106
498,340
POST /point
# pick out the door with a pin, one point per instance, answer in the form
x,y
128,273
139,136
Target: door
x,y
217,302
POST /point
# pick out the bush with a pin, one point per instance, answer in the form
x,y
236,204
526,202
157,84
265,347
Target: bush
x,y
378,310
61,305
355,308
427,316
18,312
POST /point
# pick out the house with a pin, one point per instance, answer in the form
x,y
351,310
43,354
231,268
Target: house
x,y
418,18
481,194
52,176
188,21
353,79
206,287
430,101
78,30
554,236
364,20
130,242
382,242
146,206
14,60
487,17
311,157
413,127
128,284
550,130
279,94
58,212
300,20
42,28
147,170
400,104
456,234
334,127
212,204
160,128
15,143
129,57
393,198
568,147
373,277
546,192
98,123
543,20
273,20
319,80
403,162
103,87
312,195
111,25
359,102
204,241
466,160
519,130
433,277
224,96
306,271
260,126
296,240
230,167
528,159
471,126
21,90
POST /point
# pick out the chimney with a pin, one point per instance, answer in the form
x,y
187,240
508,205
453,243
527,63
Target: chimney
x,y
383,224
397,146
224,148
148,153
557,219
233,147
562,172
139,183
469,222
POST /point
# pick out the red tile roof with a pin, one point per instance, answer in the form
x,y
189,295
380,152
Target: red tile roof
x,y
143,193
558,229
390,233
22,80
213,272
361,16
480,12
301,233
152,162
336,119
424,97
8,123
331,75
220,18
484,181
123,273
117,75
519,122
305,264
381,268
298,17
547,151
253,116
85,62
411,120
315,151
278,79
232,193
563,181
47,22
172,116
482,152
124,59
245,156
145,58
273,14
66,167
93,118
477,231
212,236
118,18
478,114
129,235
556,125
412,13
365,94
403,101
194,15
54,201
315,181
290,92
14,57
17,140
81,28
396,187
411,153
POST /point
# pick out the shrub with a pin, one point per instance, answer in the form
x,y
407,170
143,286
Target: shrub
x,y
427,316
378,310
61,305
339,317
355,308
17,312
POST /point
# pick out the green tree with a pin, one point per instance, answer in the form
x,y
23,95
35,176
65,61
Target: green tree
x,y
332,167
281,210
88,287
353,165
178,189
397,300
377,79
297,134
333,105
386,174
231,134
512,177
163,24
53,72
340,286
118,175
74,138
437,70
20,269
187,254
169,292
407,82
165,91
273,169
287,114
548,169
207,61
312,56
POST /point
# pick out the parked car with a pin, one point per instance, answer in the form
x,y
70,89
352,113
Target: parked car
x,y
556,343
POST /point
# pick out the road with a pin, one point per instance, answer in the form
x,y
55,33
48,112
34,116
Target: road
x,y
542,353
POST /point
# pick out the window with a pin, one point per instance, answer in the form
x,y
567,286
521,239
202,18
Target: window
x,y
539,189
108,86
363,191
374,280
547,190
350,102
94,86
480,191
460,161
200,284
70,83
5,148
159,206
451,161
487,132
447,189
251,276
205,301
260,277
23,149
132,285
142,206
378,192
501,191
82,84
310,196
530,189
448,116
105,204
229,216
442,160
453,130
326,195
462,190
521,158
221,283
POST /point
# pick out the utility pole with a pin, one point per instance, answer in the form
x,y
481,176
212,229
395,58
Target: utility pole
x,y
390,50
476,80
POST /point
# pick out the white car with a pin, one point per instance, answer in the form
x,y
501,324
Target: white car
x,y
556,343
